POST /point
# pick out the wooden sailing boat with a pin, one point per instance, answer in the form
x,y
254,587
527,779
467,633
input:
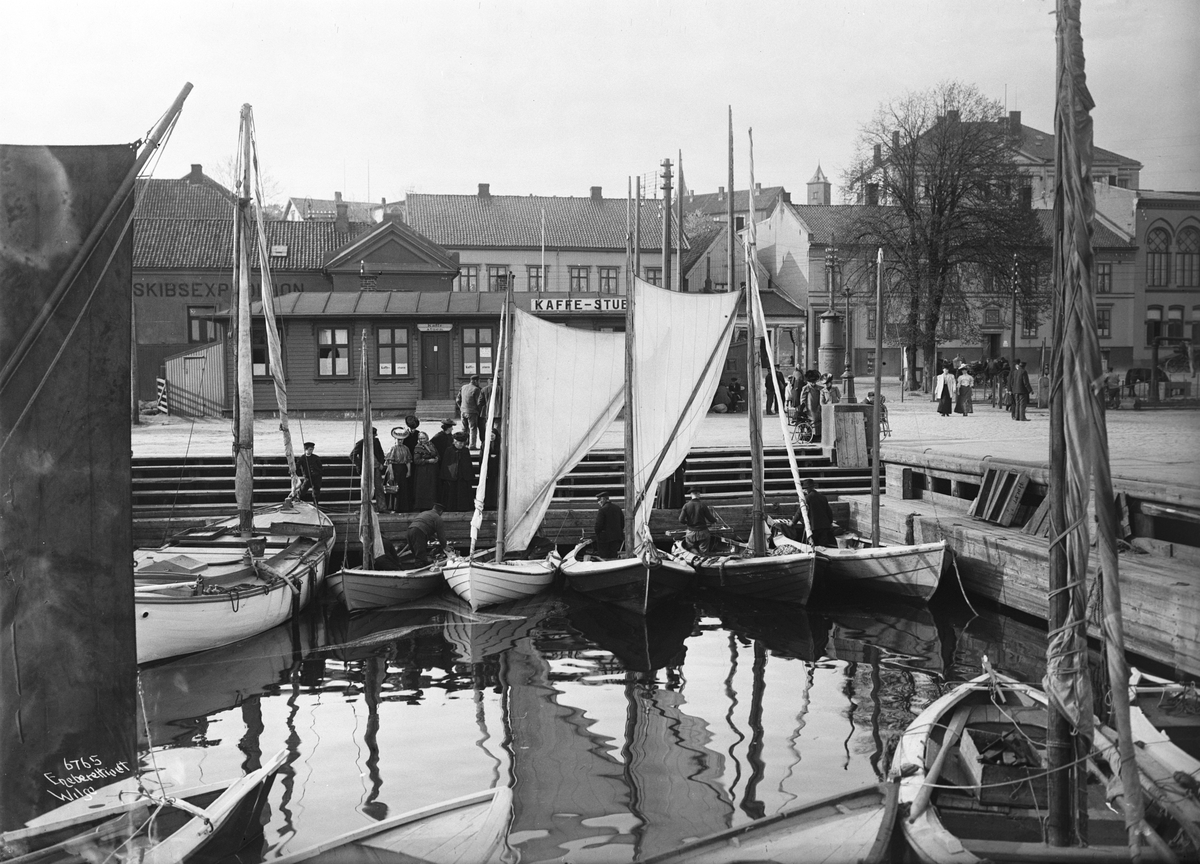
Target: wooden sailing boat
x,y
995,735
236,577
478,581
371,586
750,570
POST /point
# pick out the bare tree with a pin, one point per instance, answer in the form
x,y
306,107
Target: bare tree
x,y
226,172
950,215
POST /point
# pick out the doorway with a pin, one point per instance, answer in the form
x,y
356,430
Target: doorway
x,y
435,365
991,345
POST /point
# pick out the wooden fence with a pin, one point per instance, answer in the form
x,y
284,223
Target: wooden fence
x,y
196,382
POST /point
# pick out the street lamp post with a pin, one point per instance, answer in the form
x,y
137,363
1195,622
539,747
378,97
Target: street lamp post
x,y
835,269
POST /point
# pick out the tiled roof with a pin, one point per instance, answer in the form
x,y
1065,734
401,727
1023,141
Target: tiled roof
x,y
715,203
828,221
325,209
183,199
1039,146
699,242
207,244
348,304
513,221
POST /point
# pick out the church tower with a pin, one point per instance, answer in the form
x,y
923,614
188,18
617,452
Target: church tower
x,y
819,188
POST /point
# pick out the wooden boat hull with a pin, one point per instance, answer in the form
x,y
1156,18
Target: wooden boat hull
x,y
908,571
466,830
486,583
627,582
951,822
786,578
234,602
112,828
842,829
358,588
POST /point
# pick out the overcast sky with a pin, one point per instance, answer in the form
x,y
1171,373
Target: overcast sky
x,y
376,99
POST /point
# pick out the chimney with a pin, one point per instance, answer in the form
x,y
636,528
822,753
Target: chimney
x,y
952,115
485,190
895,139
197,175
1014,123
878,155
873,194
757,187
720,193
341,221
596,196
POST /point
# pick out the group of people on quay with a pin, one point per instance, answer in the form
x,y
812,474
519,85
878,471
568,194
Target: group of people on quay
x,y
417,472
954,388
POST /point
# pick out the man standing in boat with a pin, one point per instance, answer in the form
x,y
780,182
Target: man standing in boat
x,y
426,525
697,516
311,471
820,516
610,528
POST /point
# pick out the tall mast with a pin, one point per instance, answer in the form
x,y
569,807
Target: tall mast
x,y
366,482
758,542
876,408
637,269
505,385
666,213
679,225
244,437
730,233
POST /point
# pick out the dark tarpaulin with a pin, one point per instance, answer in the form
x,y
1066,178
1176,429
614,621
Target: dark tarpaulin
x,y
67,655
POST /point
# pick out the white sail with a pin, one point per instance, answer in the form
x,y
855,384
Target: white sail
x,y
680,347
568,387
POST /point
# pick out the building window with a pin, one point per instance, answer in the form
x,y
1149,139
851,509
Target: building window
x,y
991,317
477,351
579,278
1104,322
1104,278
201,327
1187,258
654,275
497,278
608,280
1195,326
1158,258
468,279
870,362
259,357
333,351
536,278
1175,322
1154,323
1029,322
392,350
870,323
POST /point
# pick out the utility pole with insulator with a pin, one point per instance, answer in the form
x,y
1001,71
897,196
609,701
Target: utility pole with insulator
x,y
666,211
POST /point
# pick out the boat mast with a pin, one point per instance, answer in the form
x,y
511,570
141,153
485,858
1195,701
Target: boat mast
x,y
505,385
758,542
243,446
366,482
877,402
637,268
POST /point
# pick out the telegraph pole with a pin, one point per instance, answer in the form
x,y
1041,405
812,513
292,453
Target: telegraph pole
x,y
666,212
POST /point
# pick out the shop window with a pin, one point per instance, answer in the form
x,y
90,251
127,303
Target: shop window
x,y
333,352
497,278
608,280
477,351
1103,278
1175,322
259,356
1104,322
1187,258
654,275
467,280
392,350
200,324
1158,258
579,278
1154,323
1195,326
536,276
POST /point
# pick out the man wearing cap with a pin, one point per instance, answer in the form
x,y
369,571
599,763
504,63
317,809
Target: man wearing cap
x,y
610,528
444,438
1021,391
696,516
468,406
311,472
457,476
820,516
424,526
356,459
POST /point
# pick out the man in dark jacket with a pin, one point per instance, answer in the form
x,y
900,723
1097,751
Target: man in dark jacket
x,y
820,516
356,459
696,516
1021,391
311,472
610,528
457,476
425,526
444,438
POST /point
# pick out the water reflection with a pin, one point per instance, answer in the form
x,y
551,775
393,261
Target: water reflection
x,y
620,736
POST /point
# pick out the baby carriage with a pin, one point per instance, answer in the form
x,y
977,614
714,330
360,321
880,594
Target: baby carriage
x,y
800,426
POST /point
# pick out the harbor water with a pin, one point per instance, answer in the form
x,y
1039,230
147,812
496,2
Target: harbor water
x,y
620,736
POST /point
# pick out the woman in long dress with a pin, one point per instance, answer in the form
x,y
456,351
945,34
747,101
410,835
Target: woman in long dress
x,y
944,391
966,384
399,474
425,473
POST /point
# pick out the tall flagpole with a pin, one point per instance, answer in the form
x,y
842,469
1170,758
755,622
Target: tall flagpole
x,y
758,541
876,408
630,491
679,226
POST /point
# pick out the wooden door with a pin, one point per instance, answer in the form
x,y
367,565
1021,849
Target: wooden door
x,y
435,366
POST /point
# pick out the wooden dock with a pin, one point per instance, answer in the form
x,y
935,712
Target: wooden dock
x,y
991,515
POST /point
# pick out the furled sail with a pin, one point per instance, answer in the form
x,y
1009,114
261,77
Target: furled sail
x,y
568,386
679,353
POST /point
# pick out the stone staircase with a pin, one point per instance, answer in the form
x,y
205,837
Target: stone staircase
x,y
433,411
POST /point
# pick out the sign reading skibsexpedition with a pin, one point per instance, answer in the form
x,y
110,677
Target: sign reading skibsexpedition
x,y
579,304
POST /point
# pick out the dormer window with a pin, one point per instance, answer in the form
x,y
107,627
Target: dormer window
x,y
279,251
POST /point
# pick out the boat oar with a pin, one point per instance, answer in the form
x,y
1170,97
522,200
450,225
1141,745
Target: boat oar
x,y
953,732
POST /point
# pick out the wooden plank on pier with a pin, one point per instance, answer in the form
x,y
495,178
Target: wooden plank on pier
x,y
851,440
999,496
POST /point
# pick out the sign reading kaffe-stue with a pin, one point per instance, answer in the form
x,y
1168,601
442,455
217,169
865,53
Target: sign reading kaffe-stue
x,y
579,304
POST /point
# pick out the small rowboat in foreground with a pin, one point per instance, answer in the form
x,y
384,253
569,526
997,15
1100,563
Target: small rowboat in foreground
x,y
484,582
213,821
359,588
467,830
848,828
